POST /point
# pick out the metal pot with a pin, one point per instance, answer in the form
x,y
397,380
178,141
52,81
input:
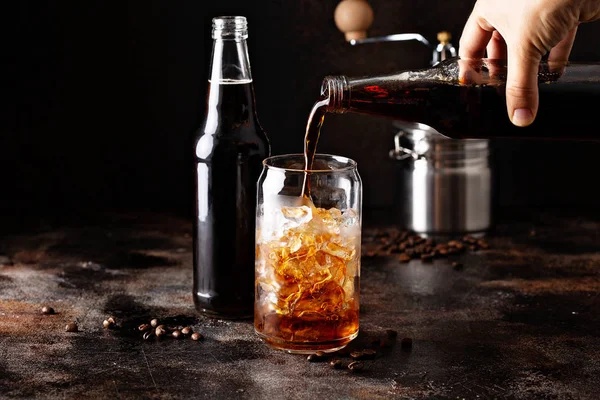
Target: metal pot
x,y
445,185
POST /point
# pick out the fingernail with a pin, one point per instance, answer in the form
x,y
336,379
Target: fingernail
x,y
522,117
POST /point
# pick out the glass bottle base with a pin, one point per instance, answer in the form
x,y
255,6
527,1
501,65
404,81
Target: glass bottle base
x,y
233,315
307,347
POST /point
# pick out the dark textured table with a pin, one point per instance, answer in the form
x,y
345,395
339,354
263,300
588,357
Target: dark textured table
x,y
520,320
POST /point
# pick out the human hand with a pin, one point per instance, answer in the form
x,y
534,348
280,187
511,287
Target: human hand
x,y
524,31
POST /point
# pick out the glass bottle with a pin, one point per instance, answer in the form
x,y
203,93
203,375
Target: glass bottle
x,y
466,99
229,150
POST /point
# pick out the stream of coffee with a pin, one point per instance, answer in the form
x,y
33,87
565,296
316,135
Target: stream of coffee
x,y
311,138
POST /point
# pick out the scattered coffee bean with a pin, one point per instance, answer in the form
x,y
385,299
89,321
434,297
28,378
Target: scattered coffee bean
x,y
111,320
144,327
473,247
357,355
392,334
483,244
532,233
186,331
176,334
428,257
47,310
154,323
318,356
160,331
368,354
106,324
404,258
71,327
457,265
196,336
355,366
336,364
469,239
406,343
345,352
148,335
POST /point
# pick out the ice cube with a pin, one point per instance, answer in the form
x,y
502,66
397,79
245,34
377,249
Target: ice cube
x,y
350,217
297,215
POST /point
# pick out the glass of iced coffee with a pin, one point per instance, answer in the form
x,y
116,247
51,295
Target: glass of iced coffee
x,y
308,232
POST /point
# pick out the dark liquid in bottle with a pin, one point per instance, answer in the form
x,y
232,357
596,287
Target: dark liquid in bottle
x,y
479,111
229,154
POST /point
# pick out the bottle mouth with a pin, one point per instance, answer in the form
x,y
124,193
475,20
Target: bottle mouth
x,y
335,88
230,27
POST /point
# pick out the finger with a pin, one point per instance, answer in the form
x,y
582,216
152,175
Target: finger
x,y
496,48
562,50
474,38
559,55
496,54
522,85
472,47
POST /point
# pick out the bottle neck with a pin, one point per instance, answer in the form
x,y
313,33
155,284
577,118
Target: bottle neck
x,y
231,92
230,62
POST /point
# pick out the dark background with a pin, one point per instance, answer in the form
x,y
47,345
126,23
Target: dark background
x,y
102,98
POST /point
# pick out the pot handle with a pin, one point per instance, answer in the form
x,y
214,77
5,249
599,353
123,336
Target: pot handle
x,y
400,153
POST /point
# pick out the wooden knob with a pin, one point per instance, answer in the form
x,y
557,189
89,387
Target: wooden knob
x,y
444,37
353,17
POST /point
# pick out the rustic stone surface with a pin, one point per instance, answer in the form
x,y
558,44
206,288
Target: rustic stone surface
x,y
517,321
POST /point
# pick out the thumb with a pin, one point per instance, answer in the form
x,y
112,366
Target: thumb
x,y
522,86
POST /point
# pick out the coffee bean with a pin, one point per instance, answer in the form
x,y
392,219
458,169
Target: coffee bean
x,y
427,257
357,355
186,331
317,356
176,334
336,364
143,327
160,331
106,324
406,343
154,323
454,243
71,327
457,265
443,252
148,335
473,247
392,334
483,244
111,320
355,366
47,310
404,258
368,354
196,336
469,239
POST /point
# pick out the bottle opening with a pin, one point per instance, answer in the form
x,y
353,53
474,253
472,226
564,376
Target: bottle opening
x,y
230,27
335,88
